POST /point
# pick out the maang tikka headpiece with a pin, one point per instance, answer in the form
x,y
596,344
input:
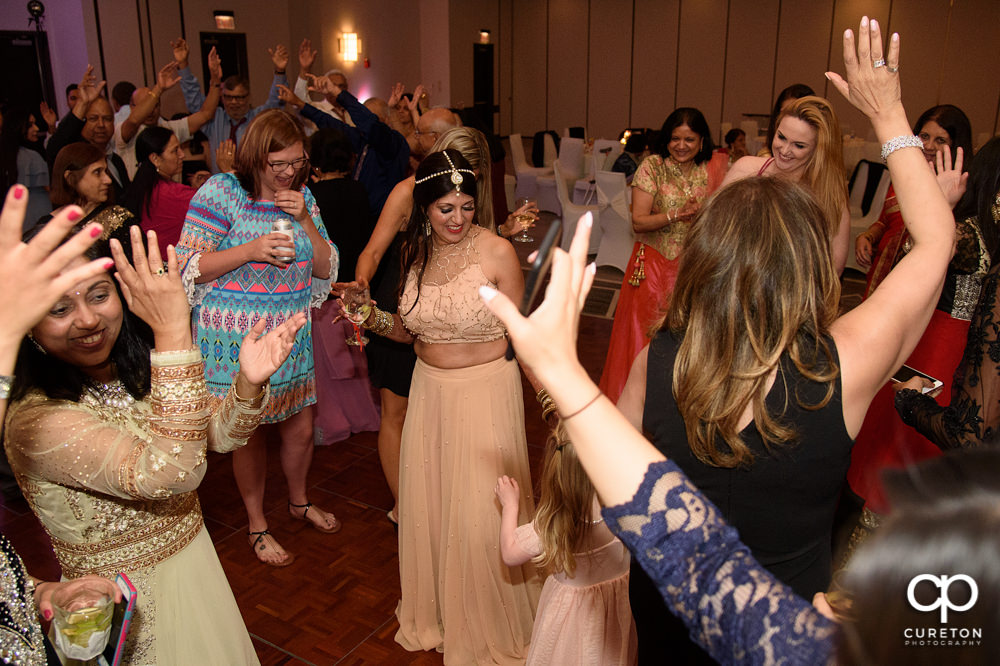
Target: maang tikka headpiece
x,y
456,174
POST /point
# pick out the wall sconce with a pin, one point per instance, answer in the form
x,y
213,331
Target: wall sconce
x,y
349,46
625,135
484,36
225,19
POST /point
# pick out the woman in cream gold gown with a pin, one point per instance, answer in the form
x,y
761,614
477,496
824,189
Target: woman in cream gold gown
x,y
109,451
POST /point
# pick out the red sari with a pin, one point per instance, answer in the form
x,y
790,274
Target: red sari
x,y
652,269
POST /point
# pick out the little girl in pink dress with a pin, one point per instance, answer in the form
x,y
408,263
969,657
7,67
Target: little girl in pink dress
x,y
583,614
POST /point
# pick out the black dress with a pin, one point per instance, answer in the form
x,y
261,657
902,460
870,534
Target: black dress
x,y
783,504
390,363
343,203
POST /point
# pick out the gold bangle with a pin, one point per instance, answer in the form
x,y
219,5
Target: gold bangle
x,y
591,402
380,322
253,402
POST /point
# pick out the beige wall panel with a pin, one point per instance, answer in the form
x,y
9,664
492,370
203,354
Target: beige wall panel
x,y
847,14
803,46
750,57
528,44
504,71
971,63
434,50
123,54
567,64
921,24
610,62
165,18
701,56
654,61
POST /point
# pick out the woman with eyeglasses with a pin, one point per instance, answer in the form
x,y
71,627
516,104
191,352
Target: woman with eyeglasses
x,y
237,270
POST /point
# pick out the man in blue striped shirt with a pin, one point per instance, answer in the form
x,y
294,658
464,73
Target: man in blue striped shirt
x,y
231,119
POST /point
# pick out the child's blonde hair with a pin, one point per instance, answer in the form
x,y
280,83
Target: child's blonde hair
x,y
563,516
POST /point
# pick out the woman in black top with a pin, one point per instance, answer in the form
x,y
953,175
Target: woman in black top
x,y
753,385
344,399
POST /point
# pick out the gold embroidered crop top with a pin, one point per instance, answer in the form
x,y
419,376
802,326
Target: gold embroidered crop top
x,y
449,309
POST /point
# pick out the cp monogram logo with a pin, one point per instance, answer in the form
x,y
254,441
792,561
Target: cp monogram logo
x,y
944,601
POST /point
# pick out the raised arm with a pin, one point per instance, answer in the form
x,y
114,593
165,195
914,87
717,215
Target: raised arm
x,y
512,548
193,96
207,111
893,319
395,214
307,56
279,58
68,131
842,240
166,79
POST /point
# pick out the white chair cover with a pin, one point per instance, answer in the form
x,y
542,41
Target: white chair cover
x,y
860,224
526,186
617,236
571,214
570,164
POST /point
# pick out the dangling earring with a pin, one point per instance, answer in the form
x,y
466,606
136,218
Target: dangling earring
x,y
427,226
35,342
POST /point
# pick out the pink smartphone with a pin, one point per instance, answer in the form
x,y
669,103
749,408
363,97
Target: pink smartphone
x,y
112,655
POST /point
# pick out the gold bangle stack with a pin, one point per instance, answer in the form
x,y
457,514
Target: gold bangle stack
x,y
380,322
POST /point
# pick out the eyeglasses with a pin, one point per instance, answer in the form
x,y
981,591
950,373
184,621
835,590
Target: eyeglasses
x,y
235,98
280,167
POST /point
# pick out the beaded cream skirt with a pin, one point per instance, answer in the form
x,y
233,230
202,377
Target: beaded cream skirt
x,y
464,428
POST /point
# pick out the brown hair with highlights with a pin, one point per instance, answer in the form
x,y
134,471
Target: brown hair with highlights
x,y
756,280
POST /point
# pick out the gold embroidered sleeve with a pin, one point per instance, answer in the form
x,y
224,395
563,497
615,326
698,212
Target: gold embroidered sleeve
x,y
150,449
234,420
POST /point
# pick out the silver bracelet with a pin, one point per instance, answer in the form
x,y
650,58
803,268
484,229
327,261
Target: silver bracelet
x,y
6,381
903,141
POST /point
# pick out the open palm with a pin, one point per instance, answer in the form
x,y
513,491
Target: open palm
x,y
261,355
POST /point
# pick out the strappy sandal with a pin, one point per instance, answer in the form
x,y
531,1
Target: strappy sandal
x,y
289,558
316,526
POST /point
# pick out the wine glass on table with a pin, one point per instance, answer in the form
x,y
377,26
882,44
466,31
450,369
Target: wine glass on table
x,y
357,306
526,220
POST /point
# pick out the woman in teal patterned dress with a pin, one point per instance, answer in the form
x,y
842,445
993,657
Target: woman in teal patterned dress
x,y
236,271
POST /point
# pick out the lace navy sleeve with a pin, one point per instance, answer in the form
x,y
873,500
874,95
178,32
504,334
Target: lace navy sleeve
x,y
974,413
732,606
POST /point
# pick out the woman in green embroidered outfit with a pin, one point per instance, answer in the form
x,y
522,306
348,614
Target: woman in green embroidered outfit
x,y
109,451
667,192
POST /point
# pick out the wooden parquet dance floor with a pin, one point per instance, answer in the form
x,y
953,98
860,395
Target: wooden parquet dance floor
x,y
335,604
